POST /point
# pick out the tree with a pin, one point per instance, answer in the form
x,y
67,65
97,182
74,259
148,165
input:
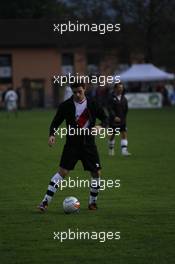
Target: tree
x,y
151,20
24,9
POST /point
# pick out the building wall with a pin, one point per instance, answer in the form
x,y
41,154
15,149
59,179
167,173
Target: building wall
x,y
44,63
109,63
80,61
34,64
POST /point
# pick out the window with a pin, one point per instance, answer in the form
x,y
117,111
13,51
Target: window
x,y
93,62
67,59
67,63
5,68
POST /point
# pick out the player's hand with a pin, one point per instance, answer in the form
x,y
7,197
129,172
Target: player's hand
x,y
117,119
51,141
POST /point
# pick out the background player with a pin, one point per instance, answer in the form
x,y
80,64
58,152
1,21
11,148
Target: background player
x,y
11,99
118,109
77,111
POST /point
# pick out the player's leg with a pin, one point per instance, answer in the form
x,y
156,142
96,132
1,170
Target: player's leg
x,y
52,188
124,143
94,189
111,145
16,111
68,160
91,163
8,108
14,108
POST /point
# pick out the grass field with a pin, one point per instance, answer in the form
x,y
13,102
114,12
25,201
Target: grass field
x,y
142,209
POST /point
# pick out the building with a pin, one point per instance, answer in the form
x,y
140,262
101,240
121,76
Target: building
x,y
31,53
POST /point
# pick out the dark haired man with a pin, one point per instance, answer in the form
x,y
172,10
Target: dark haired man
x,y
79,113
118,109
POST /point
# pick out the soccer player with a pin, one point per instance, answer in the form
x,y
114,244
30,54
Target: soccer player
x,y
10,99
78,112
118,109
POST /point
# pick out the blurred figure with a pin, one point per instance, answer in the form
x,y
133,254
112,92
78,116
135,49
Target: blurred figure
x,y
18,91
118,109
101,95
68,93
3,98
162,89
11,99
90,91
172,96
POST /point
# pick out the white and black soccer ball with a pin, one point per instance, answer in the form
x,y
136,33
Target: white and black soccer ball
x,y
71,205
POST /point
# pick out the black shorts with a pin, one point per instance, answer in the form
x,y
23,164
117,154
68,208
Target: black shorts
x,y
121,128
88,155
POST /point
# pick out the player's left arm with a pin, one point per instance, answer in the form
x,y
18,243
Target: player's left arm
x,y
56,122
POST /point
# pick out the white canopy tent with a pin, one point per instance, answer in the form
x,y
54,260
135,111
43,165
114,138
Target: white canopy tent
x,y
145,73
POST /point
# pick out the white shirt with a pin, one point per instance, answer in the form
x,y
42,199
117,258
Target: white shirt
x,y
119,97
80,107
11,96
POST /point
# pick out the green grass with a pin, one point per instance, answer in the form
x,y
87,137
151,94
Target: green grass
x,y
142,209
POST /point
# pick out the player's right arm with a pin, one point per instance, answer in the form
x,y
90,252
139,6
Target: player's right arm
x,y
56,122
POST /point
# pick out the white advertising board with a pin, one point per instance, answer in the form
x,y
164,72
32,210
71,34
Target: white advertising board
x,y
144,100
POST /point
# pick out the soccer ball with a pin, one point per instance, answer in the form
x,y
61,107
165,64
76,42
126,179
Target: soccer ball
x,y
71,205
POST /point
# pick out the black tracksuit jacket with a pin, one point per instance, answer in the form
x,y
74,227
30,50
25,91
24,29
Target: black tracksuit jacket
x,y
117,108
66,112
